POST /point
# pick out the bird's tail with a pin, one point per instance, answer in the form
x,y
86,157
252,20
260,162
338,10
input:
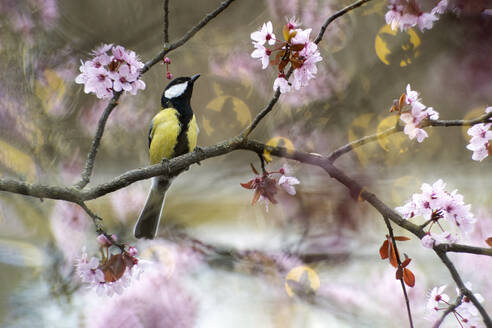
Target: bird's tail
x,y
148,221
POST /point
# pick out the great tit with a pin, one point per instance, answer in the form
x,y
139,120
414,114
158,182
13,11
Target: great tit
x,y
173,132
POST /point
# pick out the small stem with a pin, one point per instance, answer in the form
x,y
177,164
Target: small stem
x,y
397,254
166,21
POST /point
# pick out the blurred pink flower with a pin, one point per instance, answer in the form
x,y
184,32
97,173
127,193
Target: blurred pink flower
x,y
480,141
151,301
70,227
407,14
288,183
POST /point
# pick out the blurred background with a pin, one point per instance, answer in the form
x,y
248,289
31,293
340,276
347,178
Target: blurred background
x,y
309,261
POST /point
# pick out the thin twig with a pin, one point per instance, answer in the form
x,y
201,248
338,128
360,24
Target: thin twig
x,y
463,290
166,21
247,131
91,157
485,118
398,260
450,309
339,13
187,36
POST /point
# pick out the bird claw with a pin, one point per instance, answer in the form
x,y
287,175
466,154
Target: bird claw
x,y
199,150
165,162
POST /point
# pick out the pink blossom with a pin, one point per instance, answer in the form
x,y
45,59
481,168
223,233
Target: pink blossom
x,y
302,36
426,20
103,240
414,117
434,204
88,270
393,17
263,54
437,298
440,8
282,84
264,35
288,184
308,69
480,141
106,73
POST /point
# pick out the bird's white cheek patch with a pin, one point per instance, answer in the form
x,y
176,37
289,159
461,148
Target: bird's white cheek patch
x,y
176,90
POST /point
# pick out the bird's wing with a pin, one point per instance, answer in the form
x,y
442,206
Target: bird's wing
x,y
151,132
165,131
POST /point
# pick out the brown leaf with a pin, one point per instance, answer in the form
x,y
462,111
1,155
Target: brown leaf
x,y
254,169
114,268
401,238
384,250
248,185
256,196
489,241
282,65
297,47
398,274
401,102
392,257
406,262
408,277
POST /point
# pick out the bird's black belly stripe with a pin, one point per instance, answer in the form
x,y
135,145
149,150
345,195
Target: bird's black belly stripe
x,y
182,145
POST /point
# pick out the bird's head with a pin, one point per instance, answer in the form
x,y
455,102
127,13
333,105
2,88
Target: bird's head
x,y
179,91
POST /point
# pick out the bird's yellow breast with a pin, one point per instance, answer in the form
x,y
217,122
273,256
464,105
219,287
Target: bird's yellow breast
x,y
164,134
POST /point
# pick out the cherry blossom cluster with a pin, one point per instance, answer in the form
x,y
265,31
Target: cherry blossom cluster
x,y
296,49
108,73
406,14
266,186
466,313
414,116
435,204
113,272
480,139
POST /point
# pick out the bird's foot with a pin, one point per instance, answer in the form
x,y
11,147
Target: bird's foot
x,y
165,162
199,150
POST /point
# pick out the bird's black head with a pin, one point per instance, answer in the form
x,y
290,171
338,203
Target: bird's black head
x,y
178,92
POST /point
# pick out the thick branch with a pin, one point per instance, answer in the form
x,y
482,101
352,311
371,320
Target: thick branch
x,y
186,37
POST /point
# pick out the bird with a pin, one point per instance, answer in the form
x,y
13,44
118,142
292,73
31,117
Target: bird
x,y
173,132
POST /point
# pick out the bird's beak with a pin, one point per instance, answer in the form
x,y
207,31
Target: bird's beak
x,y
195,77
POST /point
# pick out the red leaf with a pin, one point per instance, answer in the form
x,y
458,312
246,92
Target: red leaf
x,y
392,258
114,268
406,262
248,185
297,47
253,168
408,277
489,241
401,238
256,196
282,65
383,251
401,102
398,274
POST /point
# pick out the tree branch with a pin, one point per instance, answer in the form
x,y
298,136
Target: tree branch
x,y
450,309
166,21
339,13
463,290
91,157
333,156
187,36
